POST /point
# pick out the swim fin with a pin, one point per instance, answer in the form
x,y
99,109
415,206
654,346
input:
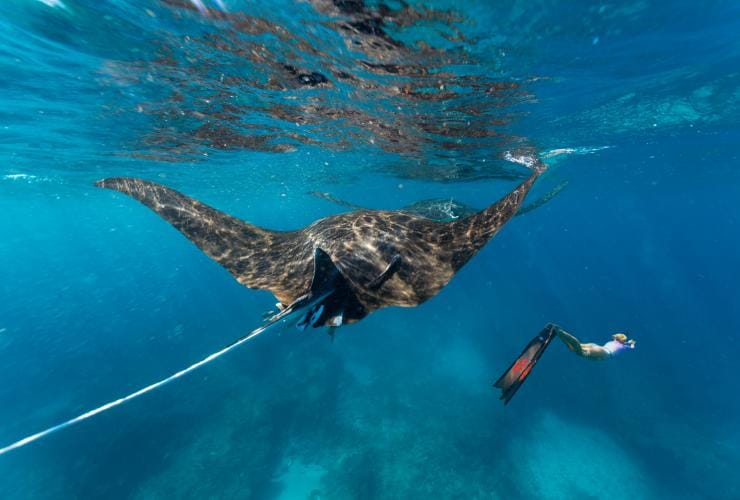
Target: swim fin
x,y
517,373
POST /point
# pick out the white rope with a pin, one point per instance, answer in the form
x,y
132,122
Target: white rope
x,y
156,385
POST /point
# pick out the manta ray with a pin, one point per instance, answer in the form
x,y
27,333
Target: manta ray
x,y
359,261
332,272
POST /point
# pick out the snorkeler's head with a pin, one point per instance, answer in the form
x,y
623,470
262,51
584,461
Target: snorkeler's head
x,y
620,337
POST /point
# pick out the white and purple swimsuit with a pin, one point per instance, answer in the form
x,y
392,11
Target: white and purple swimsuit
x,y
614,347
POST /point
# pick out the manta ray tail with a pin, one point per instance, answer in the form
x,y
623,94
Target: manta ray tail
x,y
517,373
326,285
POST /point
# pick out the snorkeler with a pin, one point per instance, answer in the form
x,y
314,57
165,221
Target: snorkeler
x,y
590,350
517,373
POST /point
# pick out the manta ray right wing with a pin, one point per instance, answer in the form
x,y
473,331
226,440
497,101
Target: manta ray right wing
x,y
258,258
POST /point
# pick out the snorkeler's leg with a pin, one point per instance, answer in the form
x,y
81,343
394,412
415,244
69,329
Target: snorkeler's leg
x,y
588,350
594,351
569,340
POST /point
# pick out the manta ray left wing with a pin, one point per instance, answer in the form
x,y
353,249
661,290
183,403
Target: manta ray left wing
x,y
258,258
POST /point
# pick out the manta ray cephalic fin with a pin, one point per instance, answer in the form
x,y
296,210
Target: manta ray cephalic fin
x,y
330,282
387,273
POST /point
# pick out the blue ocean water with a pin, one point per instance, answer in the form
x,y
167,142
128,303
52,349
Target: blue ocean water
x,y
250,106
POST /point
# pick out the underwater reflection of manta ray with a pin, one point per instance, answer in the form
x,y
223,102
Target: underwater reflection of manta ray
x,y
333,272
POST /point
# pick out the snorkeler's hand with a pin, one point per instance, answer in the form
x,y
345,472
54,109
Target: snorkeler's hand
x,y
631,343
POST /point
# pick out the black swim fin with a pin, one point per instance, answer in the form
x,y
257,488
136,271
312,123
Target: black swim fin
x,y
517,373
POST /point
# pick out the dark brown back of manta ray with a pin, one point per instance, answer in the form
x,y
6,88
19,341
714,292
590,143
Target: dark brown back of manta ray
x,y
361,244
